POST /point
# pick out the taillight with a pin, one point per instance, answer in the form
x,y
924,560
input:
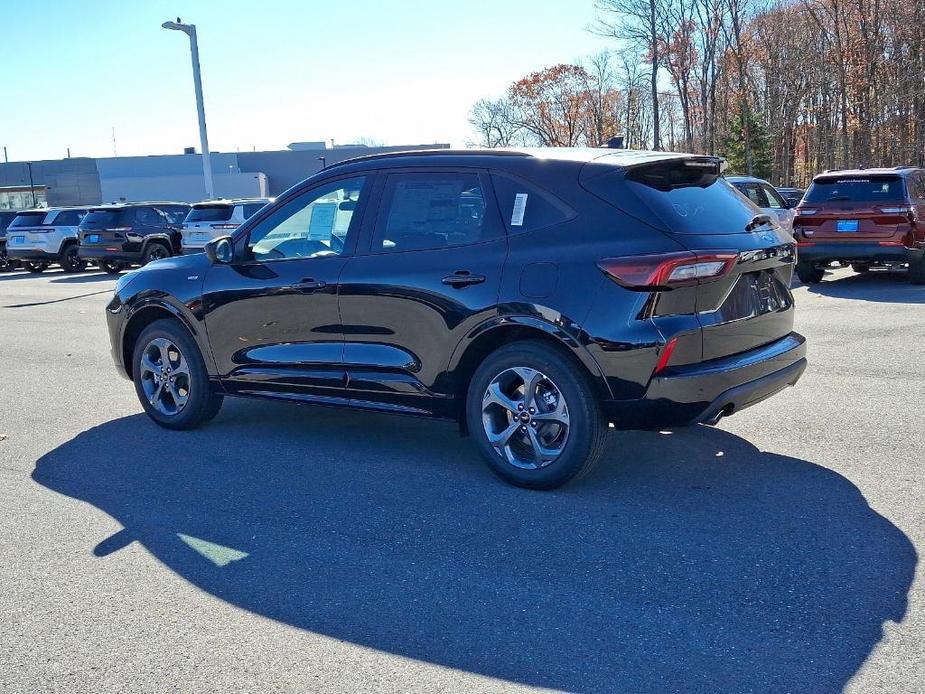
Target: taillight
x,y
897,210
667,270
806,211
223,226
122,229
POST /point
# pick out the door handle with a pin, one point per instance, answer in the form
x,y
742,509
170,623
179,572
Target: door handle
x,y
309,285
462,278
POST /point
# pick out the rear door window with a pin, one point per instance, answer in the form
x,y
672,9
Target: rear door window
x,y
857,188
524,207
175,213
433,210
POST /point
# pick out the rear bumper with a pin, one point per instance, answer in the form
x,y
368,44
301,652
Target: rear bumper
x,y
702,393
99,253
32,254
854,251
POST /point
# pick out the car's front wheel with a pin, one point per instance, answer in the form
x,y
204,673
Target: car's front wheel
x,y
809,273
155,251
111,267
534,416
171,378
35,268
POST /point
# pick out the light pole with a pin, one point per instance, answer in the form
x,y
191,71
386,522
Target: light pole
x,y
32,185
190,30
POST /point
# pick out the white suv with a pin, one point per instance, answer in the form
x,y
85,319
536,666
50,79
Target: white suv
x,y
209,220
41,237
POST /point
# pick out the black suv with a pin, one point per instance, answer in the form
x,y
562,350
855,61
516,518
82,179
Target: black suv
x,y
534,297
6,263
116,236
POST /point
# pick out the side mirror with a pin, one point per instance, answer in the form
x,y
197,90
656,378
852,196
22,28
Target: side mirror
x,y
792,202
220,250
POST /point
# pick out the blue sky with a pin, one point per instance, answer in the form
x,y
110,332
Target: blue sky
x,y
399,71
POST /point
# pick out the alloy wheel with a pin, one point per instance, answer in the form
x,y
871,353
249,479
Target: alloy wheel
x,y
165,376
156,252
525,417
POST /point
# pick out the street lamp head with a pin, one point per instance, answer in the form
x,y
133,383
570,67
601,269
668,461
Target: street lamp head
x,y
178,26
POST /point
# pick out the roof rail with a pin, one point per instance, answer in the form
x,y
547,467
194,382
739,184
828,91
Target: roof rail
x,y
429,153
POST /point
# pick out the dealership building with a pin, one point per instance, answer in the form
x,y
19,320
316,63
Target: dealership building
x,y
88,181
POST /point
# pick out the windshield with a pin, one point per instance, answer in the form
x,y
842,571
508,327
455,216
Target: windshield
x,y
857,189
28,219
210,213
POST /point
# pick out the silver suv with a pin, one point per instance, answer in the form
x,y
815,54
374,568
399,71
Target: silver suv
x,y
41,237
209,220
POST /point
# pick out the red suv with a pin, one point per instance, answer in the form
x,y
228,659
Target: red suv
x,y
866,217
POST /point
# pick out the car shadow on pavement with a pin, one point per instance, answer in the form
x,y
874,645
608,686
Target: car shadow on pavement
x,y
687,561
877,286
82,279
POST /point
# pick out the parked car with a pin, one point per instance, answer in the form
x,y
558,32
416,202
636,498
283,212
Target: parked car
x,y
117,236
865,217
532,296
209,220
37,238
791,195
766,197
6,216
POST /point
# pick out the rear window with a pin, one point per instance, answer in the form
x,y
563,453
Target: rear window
x,y
98,219
28,219
857,189
210,213
687,199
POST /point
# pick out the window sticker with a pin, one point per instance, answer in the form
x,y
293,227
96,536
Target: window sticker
x,y
520,208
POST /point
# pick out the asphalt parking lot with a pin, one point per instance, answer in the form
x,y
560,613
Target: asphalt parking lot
x,y
288,548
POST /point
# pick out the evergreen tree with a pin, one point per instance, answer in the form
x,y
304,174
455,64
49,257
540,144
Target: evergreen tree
x,y
734,145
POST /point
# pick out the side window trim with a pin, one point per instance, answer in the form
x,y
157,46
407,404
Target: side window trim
x,y
378,219
242,236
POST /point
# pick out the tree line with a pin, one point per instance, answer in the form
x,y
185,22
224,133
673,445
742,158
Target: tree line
x,y
783,89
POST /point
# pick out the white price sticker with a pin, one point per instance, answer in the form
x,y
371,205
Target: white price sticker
x,y
520,208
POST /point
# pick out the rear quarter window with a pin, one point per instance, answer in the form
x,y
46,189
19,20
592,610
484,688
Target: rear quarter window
x,y
524,207
251,209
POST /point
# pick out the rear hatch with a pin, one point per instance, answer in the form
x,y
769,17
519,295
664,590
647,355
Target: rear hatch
x,y
854,207
746,303
27,229
105,225
206,222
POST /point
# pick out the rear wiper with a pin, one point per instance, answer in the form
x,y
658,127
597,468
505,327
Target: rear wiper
x,y
757,221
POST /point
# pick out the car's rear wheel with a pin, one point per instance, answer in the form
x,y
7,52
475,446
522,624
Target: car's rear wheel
x,y
112,267
809,273
70,260
860,267
155,251
35,268
534,416
170,377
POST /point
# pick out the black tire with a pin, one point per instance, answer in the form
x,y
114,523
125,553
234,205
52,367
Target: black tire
x,y
155,251
69,259
202,402
583,443
6,264
860,268
35,268
111,267
917,271
809,273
